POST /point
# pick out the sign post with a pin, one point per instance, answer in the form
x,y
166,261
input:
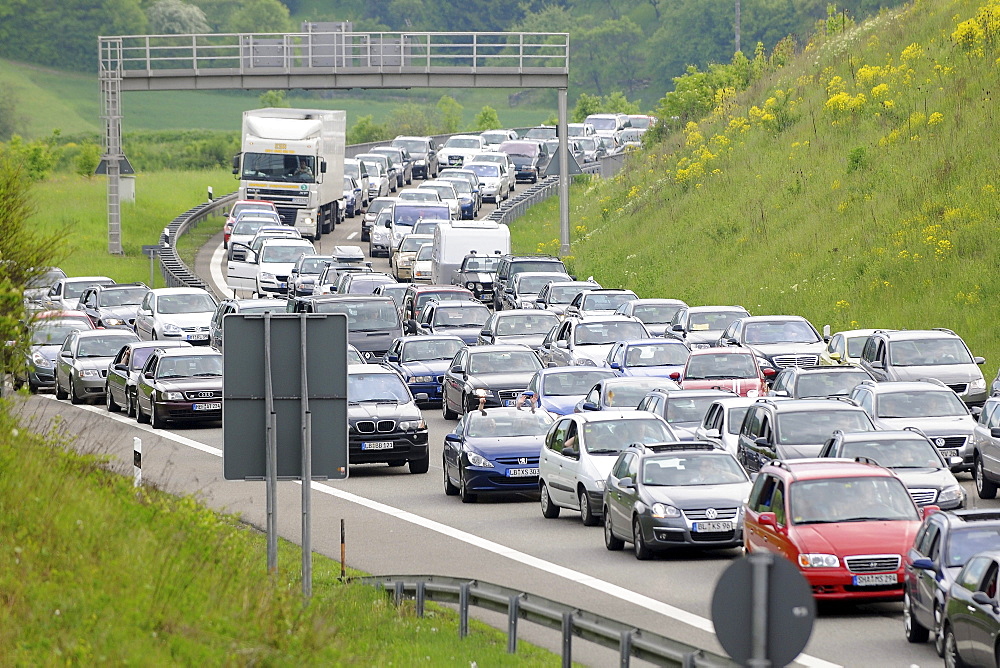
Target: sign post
x,y
153,252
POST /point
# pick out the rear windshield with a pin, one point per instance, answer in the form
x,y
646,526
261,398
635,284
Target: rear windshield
x,y
410,213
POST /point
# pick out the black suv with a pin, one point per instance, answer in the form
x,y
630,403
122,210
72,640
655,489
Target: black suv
x,y
944,543
794,428
372,322
811,382
384,423
515,264
113,306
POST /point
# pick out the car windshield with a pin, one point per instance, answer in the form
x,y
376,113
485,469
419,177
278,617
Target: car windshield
x,y
374,167
280,254
510,361
721,366
461,186
463,142
363,283
248,228
445,191
540,133
75,289
640,122
378,205
629,394
964,543
392,156
519,149
349,183
687,409
917,404
411,145
123,296
417,349
656,314
790,331
603,301
682,469
929,352
425,227
573,383
564,294
815,426
603,333
484,264
426,252
193,366
656,354
874,498
313,265
507,425
905,453
461,316
363,316
409,213
102,346
490,171
376,387
602,123
712,320
609,437
531,285
53,332
279,167
829,384
494,137
394,290
422,194
736,416
412,244
441,295
587,143
170,304
526,324
47,279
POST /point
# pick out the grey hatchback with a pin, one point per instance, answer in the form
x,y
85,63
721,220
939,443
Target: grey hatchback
x,y
83,361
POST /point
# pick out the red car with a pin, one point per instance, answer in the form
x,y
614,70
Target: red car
x,y
724,369
846,524
240,206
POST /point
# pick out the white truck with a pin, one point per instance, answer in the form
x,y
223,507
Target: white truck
x,y
295,159
452,242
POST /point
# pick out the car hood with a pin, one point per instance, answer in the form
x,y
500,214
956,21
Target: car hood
x,y
428,368
690,497
468,334
49,352
283,268
932,426
190,384
376,340
93,362
851,538
798,451
529,340
947,373
477,277
709,336
517,380
924,478
771,349
740,386
652,371
120,312
511,446
561,405
597,353
373,411
186,319
684,430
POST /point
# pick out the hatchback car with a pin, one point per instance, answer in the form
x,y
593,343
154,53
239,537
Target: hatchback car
x,y
723,420
647,357
701,326
402,260
817,381
498,374
463,319
372,322
599,301
521,290
124,370
65,294
845,524
723,368
82,365
972,614
494,451
423,152
620,394
684,410
48,331
580,451
179,385
559,389
176,314
527,327
236,306
304,273
556,296
587,341
845,347
986,450
655,314
113,306
478,274
421,361
417,296
385,425
673,495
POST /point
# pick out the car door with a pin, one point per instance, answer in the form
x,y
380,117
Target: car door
x,y
987,444
118,375
779,388
452,385
88,304
921,584
452,452
144,317
756,536
241,274
747,448
621,500
144,385
982,620
64,362
551,459
563,480
486,334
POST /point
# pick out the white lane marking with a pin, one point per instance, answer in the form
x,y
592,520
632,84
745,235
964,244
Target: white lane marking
x,y
603,586
352,235
215,267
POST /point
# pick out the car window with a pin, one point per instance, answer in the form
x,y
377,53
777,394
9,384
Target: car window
x,y
557,438
995,417
972,574
964,543
815,426
920,404
989,583
929,352
736,416
752,426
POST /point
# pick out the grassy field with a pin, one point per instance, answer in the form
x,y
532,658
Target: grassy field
x,y
857,186
95,572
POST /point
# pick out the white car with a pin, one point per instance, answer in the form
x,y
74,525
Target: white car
x,y
423,264
176,314
722,421
460,148
493,184
446,191
506,165
494,138
419,194
378,178
246,229
356,169
265,271
65,294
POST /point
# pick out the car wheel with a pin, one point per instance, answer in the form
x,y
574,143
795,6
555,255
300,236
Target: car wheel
x,y
32,388
446,412
73,398
984,488
129,404
140,416
155,421
60,394
465,404
952,659
109,401
611,541
420,465
467,496
449,488
152,335
912,629
549,510
642,552
586,510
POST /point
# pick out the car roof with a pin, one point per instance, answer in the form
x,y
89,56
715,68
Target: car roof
x,y
498,347
158,344
722,351
431,337
370,368
547,371
115,286
882,435
610,416
813,370
904,334
652,342
457,303
970,515
535,274
614,317
656,300
736,402
671,394
772,318
525,311
350,298
440,287
634,380
812,404
64,313
80,279
159,292
826,467
855,332
709,309
93,333
907,386
201,351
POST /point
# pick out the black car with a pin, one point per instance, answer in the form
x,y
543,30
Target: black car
x,y
372,322
488,376
510,265
530,158
809,382
478,273
124,370
972,614
180,385
113,306
385,425
943,545
778,341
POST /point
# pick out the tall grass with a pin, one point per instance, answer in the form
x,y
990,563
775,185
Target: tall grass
x,y
856,187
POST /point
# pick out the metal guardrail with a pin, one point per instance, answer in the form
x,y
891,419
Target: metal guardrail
x,y
628,640
175,272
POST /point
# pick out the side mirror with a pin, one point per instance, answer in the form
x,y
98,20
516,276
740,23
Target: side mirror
x,y
979,360
590,406
452,438
148,375
677,328
712,433
485,333
927,511
392,358
425,326
509,290
572,453
626,483
322,166
878,364
616,365
835,357
768,520
562,343
762,442
981,598
675,375
780,393
923,564
458,368
995,432
121,367
236,164
768,372
730,341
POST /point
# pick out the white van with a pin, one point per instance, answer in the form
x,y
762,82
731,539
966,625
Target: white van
x,y
452,242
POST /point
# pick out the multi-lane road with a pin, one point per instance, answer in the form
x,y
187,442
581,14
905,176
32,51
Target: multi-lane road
x,y
403,523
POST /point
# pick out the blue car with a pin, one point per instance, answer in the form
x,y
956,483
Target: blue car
x,y
494,451
558,389
647,357
422,361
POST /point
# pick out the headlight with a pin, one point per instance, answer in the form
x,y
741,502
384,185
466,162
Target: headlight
x,y
585,361
470,285
421,379
953,493
978,385
405,262
476,459
89,373
479,286
408,425
173,396
662,510
266,276
114,322
818,561
40,361
171,328
599,484
307,220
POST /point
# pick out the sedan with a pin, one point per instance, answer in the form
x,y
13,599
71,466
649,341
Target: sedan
x,y
83,361
559,389
124,370
494,451
181,385
526,327
647,357
488,375
422,361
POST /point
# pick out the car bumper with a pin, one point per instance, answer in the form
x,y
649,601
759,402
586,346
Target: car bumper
x,y
184,411
507,399
432,390
526,175
404,447
91,387
266,289
838,585
41,377
665,534
489,480
404,272
468,210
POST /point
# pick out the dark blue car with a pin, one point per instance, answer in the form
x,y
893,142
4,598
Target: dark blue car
x,y
558,389
494,451
422,361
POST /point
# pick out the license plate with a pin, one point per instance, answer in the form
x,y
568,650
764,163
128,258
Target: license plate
x,y
949,452
454,159
377,445
875,579
710,527
206,407
521,473
197,337
509,402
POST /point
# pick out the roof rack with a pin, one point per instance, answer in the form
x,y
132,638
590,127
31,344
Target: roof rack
x,y
943,329
676,447
839,397
868,381
933,381
766,400
976,515
916,430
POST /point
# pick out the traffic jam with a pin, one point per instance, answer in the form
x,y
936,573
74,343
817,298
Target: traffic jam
x,y
672,426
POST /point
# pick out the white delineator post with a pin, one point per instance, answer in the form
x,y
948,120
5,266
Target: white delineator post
x,y
136,461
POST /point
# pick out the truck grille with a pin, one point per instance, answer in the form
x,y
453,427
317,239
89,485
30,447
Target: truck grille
x,y
287,215
795,360
702,514
923,497
872,563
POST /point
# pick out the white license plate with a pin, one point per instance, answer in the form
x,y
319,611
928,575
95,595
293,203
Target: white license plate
x,y
509,402
197,337
454,160
206,407
521,473
711,527
875,579
377,445
949,452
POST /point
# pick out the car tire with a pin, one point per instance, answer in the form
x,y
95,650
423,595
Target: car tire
x,y
140,416
914,631
611,541
420,465
446,412
467,496
952,659
449,488
109,401
642,552
154,421
32,388
984,487
938,633
73,398
129,404
60,394
550,511
587,515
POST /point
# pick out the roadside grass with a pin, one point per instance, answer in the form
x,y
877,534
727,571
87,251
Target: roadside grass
x,y
857,186
95,571
197,236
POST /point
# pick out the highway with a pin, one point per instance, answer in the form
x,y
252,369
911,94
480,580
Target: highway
x,y
403,523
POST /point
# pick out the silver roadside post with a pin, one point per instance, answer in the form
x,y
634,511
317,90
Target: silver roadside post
x,y
271,457
562,129
306,466
760,564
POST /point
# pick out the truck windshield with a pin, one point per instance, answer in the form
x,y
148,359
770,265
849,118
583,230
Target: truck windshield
x,y
274,167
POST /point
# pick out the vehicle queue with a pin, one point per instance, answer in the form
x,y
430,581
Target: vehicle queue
x,y
668,424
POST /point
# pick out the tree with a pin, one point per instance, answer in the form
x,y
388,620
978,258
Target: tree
x,y
87,159
617,103
487,119
11,121
366,130
608,55
450,114
410,119
175,17
35,159
260,16
585,106
273,98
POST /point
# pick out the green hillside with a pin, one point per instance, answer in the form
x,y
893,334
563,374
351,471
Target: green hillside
x,y
856,186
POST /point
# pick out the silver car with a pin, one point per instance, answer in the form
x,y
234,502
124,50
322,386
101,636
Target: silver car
x,y
65,294
82,364
176,314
